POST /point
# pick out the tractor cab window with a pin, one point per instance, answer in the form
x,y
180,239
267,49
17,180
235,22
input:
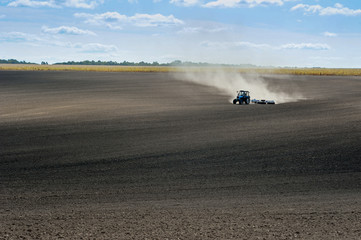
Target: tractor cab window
x,y
242,93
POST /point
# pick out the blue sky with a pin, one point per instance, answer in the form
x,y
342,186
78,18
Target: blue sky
x,y
302,33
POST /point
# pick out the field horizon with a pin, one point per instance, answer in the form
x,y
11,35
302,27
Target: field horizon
x,y
111,68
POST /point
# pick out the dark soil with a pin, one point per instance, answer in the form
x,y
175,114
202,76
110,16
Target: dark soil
x,y
144,156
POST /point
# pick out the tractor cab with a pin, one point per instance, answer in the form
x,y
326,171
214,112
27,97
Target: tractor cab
x,y
242,97
243,93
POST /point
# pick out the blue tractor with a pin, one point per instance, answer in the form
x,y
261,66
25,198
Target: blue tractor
x,y
242,97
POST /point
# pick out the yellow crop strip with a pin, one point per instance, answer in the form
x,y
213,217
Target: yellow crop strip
x,y
88,68
102,68
319,71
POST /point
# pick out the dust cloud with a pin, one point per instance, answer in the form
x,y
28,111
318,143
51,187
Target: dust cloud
x,y
230,81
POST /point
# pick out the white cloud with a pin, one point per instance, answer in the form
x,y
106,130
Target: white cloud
x,y
190,30
193,30
228,3
311,46
84,47
67,30
96,47
263,46
33,3
338,9
223,3
237,3
56,3
115,20
148,20
82,3
329,34
307,8
112,20
186,3
225,45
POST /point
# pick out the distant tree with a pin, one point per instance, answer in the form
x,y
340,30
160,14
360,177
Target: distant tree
x,y
176,63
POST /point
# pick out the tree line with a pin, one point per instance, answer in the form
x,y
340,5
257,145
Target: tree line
x,y
13,61
142,63
126,63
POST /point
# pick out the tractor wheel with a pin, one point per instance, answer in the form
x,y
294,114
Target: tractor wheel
x,y
247,101
234,101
